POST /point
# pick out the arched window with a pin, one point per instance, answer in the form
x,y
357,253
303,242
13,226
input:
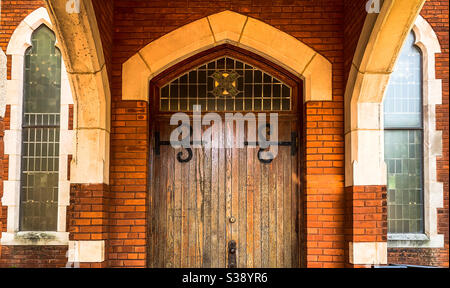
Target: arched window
x,y
40,133
226,84
404,149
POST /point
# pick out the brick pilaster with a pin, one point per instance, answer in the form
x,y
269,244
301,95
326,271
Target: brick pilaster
x,y
365,217
87,215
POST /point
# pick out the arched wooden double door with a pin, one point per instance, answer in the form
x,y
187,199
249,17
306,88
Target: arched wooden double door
x,y
223,206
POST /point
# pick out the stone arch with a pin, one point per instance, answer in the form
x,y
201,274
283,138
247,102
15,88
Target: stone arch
x,y
81,47
379,45
377,51
232,28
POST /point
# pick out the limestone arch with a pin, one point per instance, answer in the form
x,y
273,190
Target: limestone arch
x,y
81,47
235,29
379,45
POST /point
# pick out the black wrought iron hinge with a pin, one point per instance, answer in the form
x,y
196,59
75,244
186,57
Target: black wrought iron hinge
x,y
293,144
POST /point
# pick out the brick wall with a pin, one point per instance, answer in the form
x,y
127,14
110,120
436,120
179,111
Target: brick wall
x,y
436,13
366,216
354,17
12,13
129,162
88,215
104,12
33,257
4,125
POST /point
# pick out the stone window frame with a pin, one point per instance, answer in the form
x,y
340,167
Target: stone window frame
x,y
428,44
19,42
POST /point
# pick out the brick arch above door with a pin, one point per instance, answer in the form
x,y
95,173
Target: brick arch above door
x,y
235,29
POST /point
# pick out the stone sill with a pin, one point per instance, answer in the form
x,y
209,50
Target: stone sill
x,y
31,238
415,241
408,237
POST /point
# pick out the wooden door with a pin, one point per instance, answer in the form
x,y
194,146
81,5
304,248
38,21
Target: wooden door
x,y
198,207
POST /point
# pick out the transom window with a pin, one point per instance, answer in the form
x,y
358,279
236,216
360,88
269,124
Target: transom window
x,y
40,133
403,122
226,84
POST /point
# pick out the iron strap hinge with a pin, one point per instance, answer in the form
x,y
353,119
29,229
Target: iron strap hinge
x,y
293,144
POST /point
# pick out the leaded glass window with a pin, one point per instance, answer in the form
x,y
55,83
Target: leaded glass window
x,y
403,122
40,133
226,84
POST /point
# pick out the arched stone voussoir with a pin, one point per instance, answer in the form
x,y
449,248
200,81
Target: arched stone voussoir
x,y
82,51
79,35
378,49
232,28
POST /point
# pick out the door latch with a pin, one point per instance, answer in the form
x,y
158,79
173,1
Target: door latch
x,y
232,254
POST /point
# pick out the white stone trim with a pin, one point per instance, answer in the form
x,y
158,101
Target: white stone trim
x,y
368,253
19,42
379,45
3,72
428,43
35,238
239,30
86,251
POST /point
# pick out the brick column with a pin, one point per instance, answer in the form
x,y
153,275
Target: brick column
x,y
2,129
87,222
366,225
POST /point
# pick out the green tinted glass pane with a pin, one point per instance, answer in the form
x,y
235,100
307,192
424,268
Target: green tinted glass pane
x,y
403,100
42,73
40,134
405,180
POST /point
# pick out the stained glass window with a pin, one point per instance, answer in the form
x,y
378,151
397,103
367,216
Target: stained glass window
x,y
226,84
40,133
404,142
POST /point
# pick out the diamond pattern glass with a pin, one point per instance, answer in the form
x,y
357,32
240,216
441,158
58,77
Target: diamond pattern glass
x,y
226,84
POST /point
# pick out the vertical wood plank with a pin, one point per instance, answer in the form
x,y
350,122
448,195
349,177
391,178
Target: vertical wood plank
x,y
272,213
177,204
222,218
294,196
193,221
242,196
279,213
287,210
264,215
235,195
200,213
170,199
257,228
249,203
228,183
207,207
185,216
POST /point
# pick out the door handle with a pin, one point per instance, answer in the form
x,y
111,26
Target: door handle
x,y
232,254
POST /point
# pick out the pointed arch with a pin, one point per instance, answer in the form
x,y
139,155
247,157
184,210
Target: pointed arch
x,y
82,50
378,49
20,41
379,45
235,29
